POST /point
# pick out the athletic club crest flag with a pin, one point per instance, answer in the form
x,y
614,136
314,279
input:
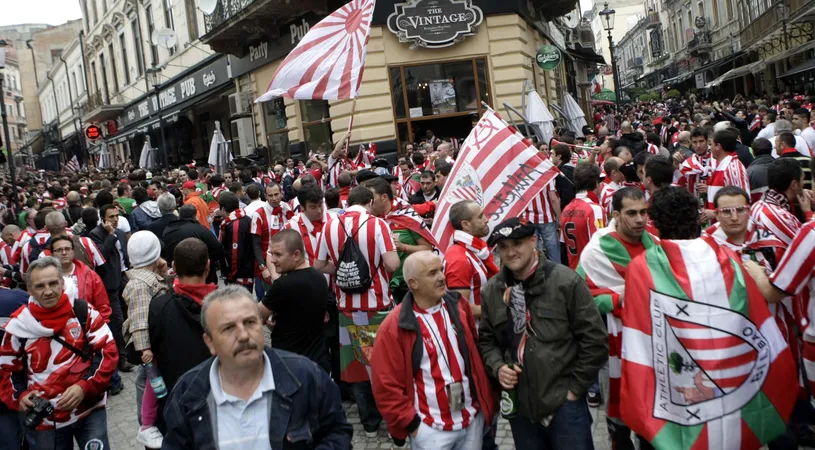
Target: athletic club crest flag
x,y
497,168
704,363
327,63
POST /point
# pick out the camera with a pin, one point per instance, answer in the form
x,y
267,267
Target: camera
x,y
42,409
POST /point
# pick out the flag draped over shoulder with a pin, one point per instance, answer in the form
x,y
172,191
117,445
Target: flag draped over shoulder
x,y
327,63
403,215
497,168
704,363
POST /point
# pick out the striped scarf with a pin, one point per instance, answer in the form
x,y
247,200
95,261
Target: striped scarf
x,y
237,214
478,248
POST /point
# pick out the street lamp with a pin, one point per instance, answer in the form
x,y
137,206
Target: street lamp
x,y
6,133
607,19
153,74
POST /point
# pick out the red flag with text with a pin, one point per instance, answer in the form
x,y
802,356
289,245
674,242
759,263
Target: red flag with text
x,y
497,168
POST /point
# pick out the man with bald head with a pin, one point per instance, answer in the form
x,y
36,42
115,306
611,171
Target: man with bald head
x,y
9,236
444,153
614,181
432,330
74,210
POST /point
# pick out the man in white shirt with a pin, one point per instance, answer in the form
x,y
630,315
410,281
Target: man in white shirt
x,y
803,129
768,122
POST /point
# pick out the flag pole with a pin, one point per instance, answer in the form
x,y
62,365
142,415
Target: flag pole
x,y
350,125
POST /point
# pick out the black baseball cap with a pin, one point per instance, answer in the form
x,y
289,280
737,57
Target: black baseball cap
x,y
514,229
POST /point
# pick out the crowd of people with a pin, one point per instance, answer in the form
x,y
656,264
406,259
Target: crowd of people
x,y
182,274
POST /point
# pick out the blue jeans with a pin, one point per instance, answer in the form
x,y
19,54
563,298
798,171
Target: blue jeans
x,y
364,397
11,429
93,429
141,379
549,240
570,429
260,288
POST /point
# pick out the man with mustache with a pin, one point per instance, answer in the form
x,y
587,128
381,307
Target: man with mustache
x,y
247,396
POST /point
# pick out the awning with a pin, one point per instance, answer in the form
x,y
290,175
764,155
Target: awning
x,y
678,79
791,52
585,54
734,73
718,62
809,65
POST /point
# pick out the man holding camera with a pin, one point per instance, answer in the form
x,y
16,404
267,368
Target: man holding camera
x,y
69,356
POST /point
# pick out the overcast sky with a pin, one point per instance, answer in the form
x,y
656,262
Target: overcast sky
x,y
52,12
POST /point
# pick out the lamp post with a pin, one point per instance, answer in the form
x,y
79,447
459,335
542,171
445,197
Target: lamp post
x,y
6,134
607,18
153,73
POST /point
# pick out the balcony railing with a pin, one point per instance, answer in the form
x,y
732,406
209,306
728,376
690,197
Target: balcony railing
x,y
224,10
95,100
652,20
701,43
763,25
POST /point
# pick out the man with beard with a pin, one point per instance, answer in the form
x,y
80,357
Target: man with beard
x,y
541,334
468,263
603,264
785,183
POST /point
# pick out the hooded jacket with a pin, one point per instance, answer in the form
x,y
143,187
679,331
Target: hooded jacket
x,y
180,229
145,214
176,336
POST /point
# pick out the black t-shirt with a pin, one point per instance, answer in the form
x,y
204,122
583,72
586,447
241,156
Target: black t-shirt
x,y
298,300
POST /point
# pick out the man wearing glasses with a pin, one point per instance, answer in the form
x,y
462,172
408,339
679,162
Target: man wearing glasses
x,y
80,280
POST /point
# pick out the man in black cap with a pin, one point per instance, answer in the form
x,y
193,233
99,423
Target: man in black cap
x,y
549,307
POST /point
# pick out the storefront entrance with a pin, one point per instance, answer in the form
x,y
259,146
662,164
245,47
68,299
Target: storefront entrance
x,y
441,99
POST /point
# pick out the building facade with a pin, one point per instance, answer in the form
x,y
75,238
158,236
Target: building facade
x,y
12,96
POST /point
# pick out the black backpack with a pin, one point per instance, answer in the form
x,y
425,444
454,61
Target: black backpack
x,y
353,274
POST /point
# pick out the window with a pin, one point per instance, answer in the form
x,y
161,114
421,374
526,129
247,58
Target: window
x,y
277,132
438,98
134,27
95,79
168,19
714,5
192,19
151,26
76,86
700,8
125,65
95,11
681,34
690,20
316,124
113,68
55,54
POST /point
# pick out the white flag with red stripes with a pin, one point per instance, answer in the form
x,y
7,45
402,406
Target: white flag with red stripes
x,y
497,168
327,63
73,166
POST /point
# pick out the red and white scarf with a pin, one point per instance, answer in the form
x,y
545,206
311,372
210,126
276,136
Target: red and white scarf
x,y
755,125
479,248
653,149
34,321
233,216
310,234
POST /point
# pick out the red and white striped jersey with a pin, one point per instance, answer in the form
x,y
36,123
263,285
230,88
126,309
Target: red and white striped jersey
x,y
17,248
540,209
442,364
578,222
267,221
692,171
375,240
727,172
772,212
796,272
463,270
5,253
310,232
335,167
606,194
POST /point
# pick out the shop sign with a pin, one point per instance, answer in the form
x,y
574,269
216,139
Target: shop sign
x,y
435,23
198,83
93,132
548,57
261,53
700,81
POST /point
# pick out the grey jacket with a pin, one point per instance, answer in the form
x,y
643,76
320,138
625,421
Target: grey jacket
x,y
570,343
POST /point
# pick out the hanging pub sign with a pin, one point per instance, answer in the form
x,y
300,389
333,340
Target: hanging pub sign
x,y
548,57
93,132
435,23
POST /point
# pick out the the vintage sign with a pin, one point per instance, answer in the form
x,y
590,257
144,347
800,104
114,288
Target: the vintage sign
x,y
435,23
548,57
93,132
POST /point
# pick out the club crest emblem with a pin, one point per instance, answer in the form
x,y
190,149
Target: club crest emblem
x,y
467,186
708,361
75,332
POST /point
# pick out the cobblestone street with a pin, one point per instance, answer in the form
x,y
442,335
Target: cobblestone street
x,y
122,424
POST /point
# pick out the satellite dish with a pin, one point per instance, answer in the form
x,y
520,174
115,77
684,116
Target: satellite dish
x,y
571,20
165,38
207,6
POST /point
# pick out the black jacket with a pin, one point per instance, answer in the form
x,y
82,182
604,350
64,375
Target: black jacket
x,y
180,229
304,409
111,271
564,184
418,198
631,140
240,261
158,226
176,336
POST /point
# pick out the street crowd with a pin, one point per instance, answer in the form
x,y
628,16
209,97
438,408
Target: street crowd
x,y
178,273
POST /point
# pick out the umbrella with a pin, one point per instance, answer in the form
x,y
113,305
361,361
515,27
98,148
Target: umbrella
x,y
606,95
219,154
147,160
575,115
538,114
601,102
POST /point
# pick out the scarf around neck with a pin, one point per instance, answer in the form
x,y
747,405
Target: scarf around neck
x,y
196,292
34,321
479,248
237,214
776,198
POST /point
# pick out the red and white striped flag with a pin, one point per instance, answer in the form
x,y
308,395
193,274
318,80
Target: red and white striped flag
x,y
497,168
72,166
327,63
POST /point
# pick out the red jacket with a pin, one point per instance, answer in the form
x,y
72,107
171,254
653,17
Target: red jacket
x,y
91,289
397,355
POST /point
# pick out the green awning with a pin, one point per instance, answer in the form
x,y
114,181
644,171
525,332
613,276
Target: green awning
x,y
605,94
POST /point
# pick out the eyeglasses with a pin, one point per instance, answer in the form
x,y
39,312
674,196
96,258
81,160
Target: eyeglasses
x,y
734,211
62,250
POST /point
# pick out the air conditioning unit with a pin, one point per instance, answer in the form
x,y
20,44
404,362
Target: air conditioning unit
x,y
240,103
243,137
